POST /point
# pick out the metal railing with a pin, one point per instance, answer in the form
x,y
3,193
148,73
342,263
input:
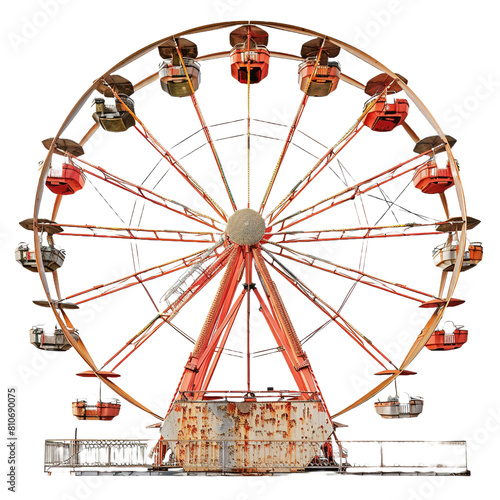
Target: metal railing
x,y
96,453
445,457
270,395
449,338
404,408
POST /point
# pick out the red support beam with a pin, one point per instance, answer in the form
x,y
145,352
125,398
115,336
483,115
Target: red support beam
x,y
301,363
249,285
206,357
208,377
224,314
281,341
223,297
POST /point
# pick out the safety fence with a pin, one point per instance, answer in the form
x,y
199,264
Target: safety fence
x,y
445,457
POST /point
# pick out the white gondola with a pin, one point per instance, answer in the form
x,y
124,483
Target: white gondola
x,y
445,256
52,257
393,407
55,341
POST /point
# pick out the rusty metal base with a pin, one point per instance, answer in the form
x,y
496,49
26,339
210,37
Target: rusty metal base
x,y
251,437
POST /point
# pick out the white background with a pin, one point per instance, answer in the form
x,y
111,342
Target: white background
x,y
448,50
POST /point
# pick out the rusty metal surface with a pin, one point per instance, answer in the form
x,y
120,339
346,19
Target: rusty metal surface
x,y
245,436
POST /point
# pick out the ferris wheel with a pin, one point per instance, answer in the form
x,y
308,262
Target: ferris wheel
x,y
327,206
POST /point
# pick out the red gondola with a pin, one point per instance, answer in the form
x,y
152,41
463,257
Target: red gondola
x,y
66,180
384,117
249,54
431,179
445,256
256,59
441,340
102,410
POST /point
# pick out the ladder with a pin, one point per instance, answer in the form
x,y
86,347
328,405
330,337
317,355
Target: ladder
x,y
189,276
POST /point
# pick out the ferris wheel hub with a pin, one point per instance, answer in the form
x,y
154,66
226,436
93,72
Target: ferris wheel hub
x,y
245,227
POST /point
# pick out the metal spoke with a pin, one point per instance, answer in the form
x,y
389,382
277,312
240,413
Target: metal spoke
x,y
293,128
348,194
370,232
349,273
206,130
248,123
319,166
171,310
210,141
145,275
288,141
170,159
130,233
333,314
147,194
